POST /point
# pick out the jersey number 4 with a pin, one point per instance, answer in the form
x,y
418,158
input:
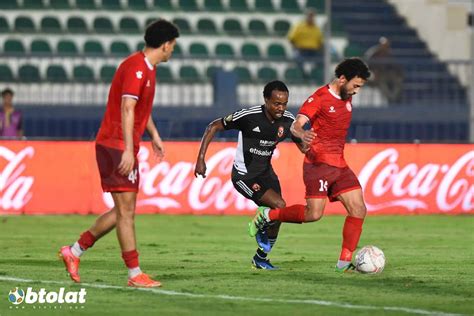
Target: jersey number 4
x,y
132,176
323,185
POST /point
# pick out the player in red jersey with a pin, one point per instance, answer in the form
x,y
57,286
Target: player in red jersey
x,y
325,172
127,115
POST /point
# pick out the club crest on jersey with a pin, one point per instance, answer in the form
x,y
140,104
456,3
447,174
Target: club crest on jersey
x,y
348,106
228,118
280,131
139,74
256,187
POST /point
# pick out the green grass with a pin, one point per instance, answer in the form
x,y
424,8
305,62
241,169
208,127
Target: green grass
x,y
430,266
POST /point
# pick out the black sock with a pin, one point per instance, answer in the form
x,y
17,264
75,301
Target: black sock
x,y
261,254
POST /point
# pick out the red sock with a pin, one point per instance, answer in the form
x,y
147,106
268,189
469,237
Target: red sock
x,y
86,240
130,258
350,237
289,214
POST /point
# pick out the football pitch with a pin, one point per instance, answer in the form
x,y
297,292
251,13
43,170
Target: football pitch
x,y
204,265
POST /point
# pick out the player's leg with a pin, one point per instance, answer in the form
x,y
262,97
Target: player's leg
x,y
125,209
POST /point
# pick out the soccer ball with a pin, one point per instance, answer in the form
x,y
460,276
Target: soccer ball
x,y
370,259
16,296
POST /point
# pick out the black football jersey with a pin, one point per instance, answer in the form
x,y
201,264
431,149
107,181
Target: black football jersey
x,y
258,137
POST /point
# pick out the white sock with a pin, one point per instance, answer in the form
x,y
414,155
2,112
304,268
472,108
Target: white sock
x,y
133,272
265,212
77,250
341,264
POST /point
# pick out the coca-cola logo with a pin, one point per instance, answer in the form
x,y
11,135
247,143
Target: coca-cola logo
x,y
14,186
163,185
409,186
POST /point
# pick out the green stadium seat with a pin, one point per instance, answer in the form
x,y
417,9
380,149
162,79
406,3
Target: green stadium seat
x,y
76,24
86,5
250,50
50,24
166,5
264,6
267,74
281,27
224,50
13,46
33,4
56,73
316,4
188,5
353,50
276,51
140,46
39,46
119,48
290,6
183,25
8,4
206,26
111,5
83,73
211,70
28,74
6,74
129,25
4,26
164,74
243,74
178,50
148,21
317,75
24,24
294,75
213,5
60,4
107,73
66,48
233,27
137,5
189,73
257,27
103,25
238,5
93,47
198,50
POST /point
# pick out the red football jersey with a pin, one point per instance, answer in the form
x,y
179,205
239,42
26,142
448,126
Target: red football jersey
x,y
134,78
330,117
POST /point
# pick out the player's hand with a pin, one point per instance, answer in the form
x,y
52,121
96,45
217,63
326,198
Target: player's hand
x,y
200,168
308,137
304,148
158,149
126,163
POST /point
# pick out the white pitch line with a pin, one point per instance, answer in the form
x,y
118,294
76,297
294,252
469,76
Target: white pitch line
x,y
240,298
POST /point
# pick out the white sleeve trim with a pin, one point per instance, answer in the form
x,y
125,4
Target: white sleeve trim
x,y
130,96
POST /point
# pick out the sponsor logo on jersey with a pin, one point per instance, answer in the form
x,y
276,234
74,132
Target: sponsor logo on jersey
x,y
267,143
139,74
310,99
256,129
349,106
256,187
332,109
259,152
280,131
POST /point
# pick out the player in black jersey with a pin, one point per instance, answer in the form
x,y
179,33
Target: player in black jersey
x,y
261,128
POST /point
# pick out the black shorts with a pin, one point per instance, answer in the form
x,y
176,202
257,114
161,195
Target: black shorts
x,y
254,188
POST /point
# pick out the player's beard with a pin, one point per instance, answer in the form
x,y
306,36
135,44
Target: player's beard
x,y
344,94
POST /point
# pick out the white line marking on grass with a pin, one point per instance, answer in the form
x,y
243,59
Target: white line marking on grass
x,y
240,298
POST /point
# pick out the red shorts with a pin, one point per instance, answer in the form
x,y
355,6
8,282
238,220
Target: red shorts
x,y
322,180
108,160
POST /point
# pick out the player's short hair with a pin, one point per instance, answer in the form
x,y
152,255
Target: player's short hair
x,y
274,85
159,32
7,91
352,67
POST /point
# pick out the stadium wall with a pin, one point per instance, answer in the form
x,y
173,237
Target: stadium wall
x,y
52,177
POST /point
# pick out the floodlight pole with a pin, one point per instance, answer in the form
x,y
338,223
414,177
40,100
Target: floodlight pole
x,y
327,43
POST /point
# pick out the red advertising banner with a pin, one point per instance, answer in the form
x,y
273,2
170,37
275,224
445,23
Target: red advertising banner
x,y
46,177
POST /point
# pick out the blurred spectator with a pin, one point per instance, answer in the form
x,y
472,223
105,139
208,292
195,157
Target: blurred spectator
x,y
306,39
388,75
10,119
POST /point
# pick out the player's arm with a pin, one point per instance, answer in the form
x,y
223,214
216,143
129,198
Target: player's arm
x,y
297,129
156,142
128,117
214,127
